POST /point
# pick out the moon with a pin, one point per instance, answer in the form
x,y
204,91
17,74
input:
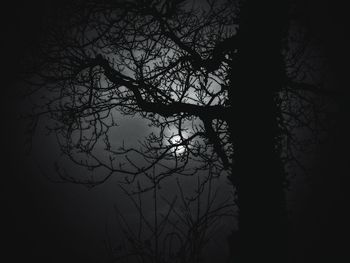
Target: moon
x,y
177,149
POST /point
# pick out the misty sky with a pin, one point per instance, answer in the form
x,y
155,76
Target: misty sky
x,y
53,222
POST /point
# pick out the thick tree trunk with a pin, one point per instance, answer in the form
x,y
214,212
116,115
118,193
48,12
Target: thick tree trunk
x,y
255,80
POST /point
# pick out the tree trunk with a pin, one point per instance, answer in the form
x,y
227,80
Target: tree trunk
x,y
258,171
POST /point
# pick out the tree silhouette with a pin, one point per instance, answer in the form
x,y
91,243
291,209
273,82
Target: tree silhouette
x,y
221,84
179,233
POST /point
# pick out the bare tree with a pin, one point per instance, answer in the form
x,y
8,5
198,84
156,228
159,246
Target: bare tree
x,y
180,232
219,82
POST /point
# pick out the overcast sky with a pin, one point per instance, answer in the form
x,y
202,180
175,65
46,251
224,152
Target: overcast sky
x,y
52,222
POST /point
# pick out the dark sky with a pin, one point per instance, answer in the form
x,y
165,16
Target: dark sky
x,y
47,222
41,221
322,224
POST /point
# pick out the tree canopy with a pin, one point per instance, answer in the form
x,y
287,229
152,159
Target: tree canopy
x,y
166,62
198,74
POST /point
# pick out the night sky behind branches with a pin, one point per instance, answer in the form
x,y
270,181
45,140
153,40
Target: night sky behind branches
x,y
49,222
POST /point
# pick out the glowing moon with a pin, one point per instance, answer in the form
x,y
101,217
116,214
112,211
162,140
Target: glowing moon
x,y
178,149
